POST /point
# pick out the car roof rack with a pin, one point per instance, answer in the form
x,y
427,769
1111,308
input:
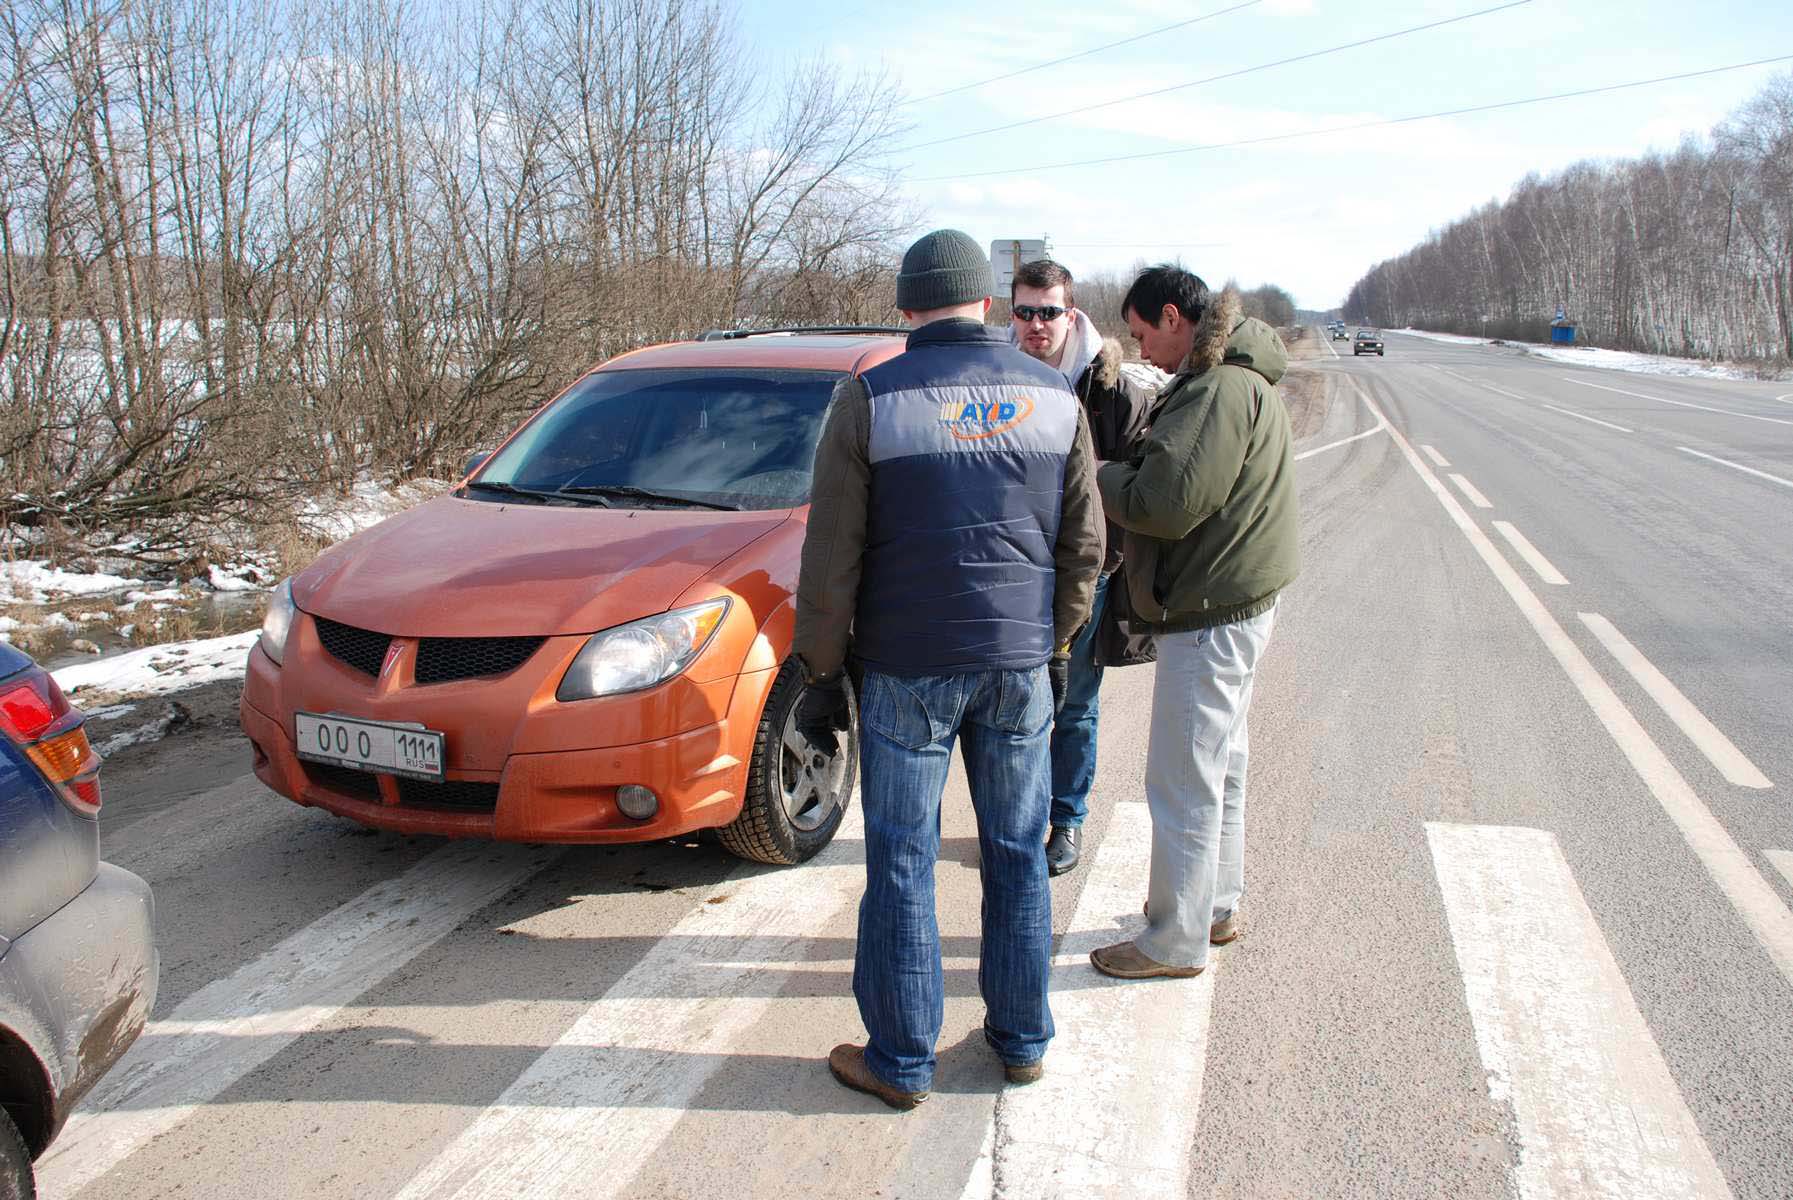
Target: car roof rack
x,y
728,335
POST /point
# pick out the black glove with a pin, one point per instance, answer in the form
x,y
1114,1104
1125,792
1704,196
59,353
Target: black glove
x,y
822,712
1058,670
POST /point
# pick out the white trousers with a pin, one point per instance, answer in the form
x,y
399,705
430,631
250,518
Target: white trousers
x,y
1195,783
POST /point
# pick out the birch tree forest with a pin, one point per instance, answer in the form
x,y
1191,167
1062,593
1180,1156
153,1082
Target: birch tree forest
x,y
1687,253
248,247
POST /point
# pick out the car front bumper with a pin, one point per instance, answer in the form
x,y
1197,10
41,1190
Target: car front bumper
x,y
79,986
539,793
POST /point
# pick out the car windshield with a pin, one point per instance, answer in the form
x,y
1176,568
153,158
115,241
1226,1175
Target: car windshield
x,y
732,437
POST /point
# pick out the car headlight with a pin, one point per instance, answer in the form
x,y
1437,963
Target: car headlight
x,y
279,621
642,653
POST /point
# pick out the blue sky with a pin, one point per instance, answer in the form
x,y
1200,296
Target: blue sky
x,y
1310,213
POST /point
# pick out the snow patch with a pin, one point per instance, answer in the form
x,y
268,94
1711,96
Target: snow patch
x,y
1591,356
159,670
34,581
232,581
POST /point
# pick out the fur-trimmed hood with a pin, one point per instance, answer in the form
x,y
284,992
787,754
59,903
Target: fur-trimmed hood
x,y
1107,364
1225,335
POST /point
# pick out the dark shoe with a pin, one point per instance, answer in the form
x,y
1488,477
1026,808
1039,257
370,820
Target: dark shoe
x,y
847,1061
1025,1072
1125,960
1062,849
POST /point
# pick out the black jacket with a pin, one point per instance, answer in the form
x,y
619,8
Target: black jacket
x,y
1117,408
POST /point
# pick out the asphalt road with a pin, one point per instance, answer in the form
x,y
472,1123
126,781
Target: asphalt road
x,y
1518,918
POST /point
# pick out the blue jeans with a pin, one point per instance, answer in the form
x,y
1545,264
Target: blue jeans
x,y
908,725
1074,732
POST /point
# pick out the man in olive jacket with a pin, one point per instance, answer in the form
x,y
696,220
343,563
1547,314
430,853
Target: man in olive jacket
x,y
1208,510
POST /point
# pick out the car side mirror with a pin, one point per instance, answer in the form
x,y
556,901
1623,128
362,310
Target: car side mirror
x,y
474,460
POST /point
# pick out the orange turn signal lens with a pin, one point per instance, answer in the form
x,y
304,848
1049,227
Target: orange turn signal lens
x,y
70,761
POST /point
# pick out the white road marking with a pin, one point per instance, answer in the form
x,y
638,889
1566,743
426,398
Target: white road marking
x,y
1737,466
1584,417
1787,399
1435,456
1454,375
1536,561
1327,342
230,1027
1509,395
1783,862
1356,437
1597,1110
590,1112
1687,717
1127,1060
1731,869
1469,489
1729,412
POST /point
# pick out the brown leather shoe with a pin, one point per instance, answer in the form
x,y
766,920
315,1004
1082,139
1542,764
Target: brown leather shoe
x,y
1225,930
1125,960
1025,1072
847,1062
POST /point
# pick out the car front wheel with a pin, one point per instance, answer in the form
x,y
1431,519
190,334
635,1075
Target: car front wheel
x,y
15,1163
797,789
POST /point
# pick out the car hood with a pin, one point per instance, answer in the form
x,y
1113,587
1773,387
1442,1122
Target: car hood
x,y
470,568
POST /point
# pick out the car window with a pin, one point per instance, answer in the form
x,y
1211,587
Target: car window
x,y
737,435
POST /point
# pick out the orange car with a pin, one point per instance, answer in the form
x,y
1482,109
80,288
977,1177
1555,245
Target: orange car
x,y
589,639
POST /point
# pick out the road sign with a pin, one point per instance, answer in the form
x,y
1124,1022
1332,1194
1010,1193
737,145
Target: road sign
x,y
1007,255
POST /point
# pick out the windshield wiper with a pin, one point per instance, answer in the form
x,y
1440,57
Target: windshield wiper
x,y
635,493
509,489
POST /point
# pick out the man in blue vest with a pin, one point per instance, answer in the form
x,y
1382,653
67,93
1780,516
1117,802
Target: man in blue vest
x,y
955,532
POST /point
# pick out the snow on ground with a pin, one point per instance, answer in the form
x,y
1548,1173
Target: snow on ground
x,y
34,581
369,503
159,670
1609,360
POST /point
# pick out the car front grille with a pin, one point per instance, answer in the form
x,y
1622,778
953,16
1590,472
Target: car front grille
x,y
362,784
362,649
442,660
461,795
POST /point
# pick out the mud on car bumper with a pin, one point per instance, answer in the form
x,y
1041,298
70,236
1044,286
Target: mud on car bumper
x,y
699,776
79,986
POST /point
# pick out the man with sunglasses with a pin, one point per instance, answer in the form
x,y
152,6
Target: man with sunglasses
x,y
1046,324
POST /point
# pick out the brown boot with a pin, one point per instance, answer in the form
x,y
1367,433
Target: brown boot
x,y
1125,960
1024,1072
847,1061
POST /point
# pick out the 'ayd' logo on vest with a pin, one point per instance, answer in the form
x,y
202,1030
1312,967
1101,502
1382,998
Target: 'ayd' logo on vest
x,y
972,420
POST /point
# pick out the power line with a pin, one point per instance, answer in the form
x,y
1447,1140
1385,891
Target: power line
x,y
966,87
1284,137
1177,87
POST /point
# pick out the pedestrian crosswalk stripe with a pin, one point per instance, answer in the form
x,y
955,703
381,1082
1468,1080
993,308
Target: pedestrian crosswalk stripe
x,y
230,1027
1116,1110
1598,1113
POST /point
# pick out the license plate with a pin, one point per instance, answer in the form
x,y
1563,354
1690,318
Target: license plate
x,y
369,745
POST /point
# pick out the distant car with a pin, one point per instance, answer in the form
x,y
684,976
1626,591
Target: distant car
x,y
78,963
1367,341
1338,333
589,639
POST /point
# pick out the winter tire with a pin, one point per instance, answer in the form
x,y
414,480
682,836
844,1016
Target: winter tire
x,y
797,793
15,1163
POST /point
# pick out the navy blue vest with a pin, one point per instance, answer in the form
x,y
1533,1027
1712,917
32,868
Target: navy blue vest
x,y
968,443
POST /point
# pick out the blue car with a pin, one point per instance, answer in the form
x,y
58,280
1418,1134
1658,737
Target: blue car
x,y
78,961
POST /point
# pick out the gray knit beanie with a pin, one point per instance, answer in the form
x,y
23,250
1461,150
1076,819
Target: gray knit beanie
x,y
942,269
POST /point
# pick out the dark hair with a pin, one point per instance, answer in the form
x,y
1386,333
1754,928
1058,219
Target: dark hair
x,y
1164,284
1043,273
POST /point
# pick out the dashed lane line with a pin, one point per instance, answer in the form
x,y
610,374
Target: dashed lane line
x,y
1436,457
1469,489
1717,748
1597,1111
587,1115
1736,466
1729,412
1584,417
1127,1059
230,1027
1732,870
1537,562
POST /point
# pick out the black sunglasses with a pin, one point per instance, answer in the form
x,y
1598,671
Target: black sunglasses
x,y
1045,312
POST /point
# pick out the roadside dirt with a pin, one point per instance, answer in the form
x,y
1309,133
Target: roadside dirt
x,y
191,744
